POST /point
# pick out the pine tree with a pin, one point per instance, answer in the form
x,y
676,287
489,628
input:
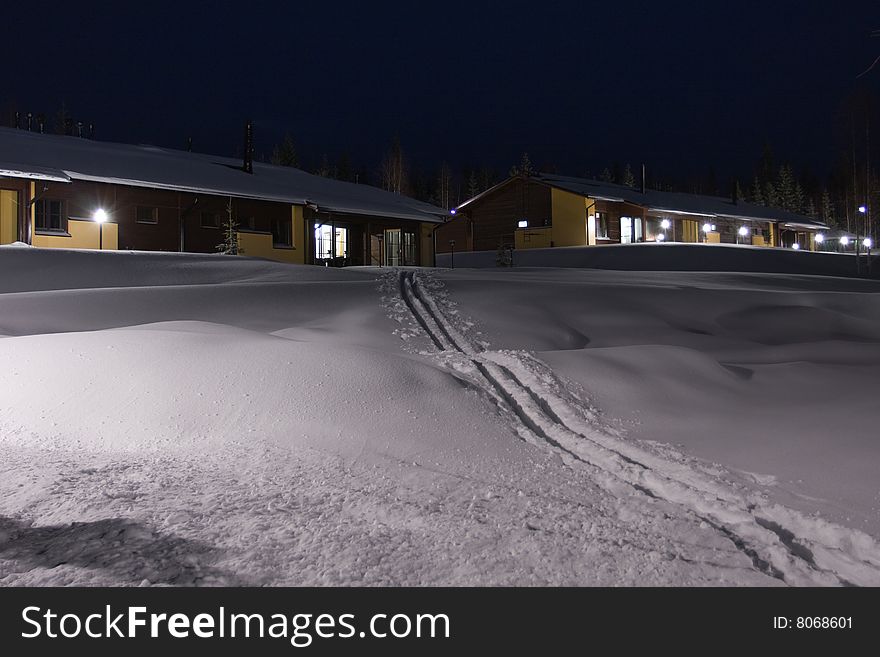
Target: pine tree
x,y
284,154
344,169
473,188
757,192
230,244
524,168
628,178
827,210
606,175
395,176
325,170
444,186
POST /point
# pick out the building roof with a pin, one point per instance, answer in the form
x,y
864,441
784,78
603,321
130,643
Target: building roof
x,y
25,154
670,202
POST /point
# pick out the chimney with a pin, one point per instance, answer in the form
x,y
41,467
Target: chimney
x,y
248,147
18,120
30,121
79,129
643,177
41,123
189,144
91,130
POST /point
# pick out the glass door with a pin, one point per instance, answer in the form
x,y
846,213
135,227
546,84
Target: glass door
x,y
392,248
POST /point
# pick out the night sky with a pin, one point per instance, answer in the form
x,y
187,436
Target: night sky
x,y
579,85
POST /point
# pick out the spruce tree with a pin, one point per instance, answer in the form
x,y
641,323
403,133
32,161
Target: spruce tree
x,y
628,178
230,244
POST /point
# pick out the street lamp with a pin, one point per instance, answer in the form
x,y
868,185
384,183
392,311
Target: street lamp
x,y
743,231
100,217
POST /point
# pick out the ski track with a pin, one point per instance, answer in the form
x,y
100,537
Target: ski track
x,y
782,543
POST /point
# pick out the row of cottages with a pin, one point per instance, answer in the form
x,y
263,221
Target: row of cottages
x,y
70,192
544,210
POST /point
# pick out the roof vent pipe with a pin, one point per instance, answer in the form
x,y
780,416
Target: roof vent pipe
x,y
18,120
643,177
248,147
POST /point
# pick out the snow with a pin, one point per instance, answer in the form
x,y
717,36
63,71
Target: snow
x,y
210,420
50,157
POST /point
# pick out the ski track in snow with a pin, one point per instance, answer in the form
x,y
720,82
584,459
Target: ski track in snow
x,y
780,542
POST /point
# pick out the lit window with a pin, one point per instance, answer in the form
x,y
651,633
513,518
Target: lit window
x,y
523,223
602,225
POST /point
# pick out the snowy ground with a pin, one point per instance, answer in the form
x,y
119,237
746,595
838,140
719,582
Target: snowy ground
x,y
176,419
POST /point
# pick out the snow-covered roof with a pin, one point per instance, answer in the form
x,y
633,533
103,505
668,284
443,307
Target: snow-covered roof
x,y
25,154
671,202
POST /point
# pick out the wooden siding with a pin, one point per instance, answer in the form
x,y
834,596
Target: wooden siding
x,y
494,217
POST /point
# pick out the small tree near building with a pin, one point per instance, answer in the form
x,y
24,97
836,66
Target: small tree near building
x,y
230,244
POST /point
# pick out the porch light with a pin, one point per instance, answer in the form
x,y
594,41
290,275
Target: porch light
x,y
743,231
665,224
867,242
795,246
522,224
820,238
707,228
844,240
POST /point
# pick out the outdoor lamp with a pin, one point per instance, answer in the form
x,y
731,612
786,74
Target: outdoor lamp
x,y
820,238
99,217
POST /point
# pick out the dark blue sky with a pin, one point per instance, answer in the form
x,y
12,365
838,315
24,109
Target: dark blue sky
x,y
681,86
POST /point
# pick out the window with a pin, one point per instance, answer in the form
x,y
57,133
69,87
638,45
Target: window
x,y
146,215
409,249
209,220
281,233
602,225
49,215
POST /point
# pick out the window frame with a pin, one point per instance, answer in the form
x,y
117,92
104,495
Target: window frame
x,y
40,204
215,217
154,211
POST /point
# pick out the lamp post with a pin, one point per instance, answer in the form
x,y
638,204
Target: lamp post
x,y
820,238
864,211
452,254
100,217
742,232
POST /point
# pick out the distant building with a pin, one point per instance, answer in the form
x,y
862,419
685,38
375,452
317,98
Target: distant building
x,y
157,199
544,210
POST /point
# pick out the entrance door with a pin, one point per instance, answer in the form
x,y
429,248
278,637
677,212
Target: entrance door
x,y
8,216
331,244
392,248
626,230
